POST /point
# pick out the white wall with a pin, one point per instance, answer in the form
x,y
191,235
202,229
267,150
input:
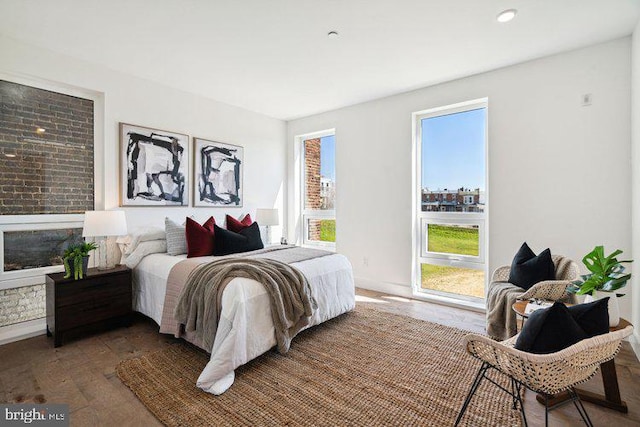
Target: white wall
x,y
559,173
635,185
142,102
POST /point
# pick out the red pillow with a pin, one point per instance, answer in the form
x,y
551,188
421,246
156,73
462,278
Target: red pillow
x,y
199,237
237,226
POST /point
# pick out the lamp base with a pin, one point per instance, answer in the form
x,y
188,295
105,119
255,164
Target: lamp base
x,y
268,235
106,255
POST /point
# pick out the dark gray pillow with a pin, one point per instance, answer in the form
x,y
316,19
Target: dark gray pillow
x,y
593,317
527,268
549,330
227,242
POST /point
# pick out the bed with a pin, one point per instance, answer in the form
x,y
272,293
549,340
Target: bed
x,y
245,329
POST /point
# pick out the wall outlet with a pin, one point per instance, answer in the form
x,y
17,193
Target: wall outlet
x,y
365,261
587,98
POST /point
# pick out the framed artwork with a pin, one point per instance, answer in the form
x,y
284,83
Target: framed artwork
x,y
154,167
217,173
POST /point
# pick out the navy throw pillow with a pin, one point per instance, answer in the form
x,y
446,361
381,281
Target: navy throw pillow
x,y
593,317
227,242
549,330
527,268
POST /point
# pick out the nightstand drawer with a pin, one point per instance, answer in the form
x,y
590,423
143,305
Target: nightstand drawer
x,y
96,289
92,310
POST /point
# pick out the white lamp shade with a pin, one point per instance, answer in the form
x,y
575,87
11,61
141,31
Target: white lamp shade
x,y
104,223
267,216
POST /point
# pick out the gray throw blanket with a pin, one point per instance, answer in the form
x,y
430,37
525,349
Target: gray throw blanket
x,y
501,320
289,292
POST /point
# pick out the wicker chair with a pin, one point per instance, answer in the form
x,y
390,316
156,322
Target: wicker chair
x,y
552,290
547,374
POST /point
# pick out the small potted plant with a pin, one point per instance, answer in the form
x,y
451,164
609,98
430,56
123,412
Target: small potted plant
x,y
76,259
605,278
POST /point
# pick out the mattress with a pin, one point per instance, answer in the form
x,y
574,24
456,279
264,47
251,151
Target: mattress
x,y
245,329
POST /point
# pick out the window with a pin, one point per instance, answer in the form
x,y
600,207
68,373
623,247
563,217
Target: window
x,y
450,245
48,134
47,169
318,188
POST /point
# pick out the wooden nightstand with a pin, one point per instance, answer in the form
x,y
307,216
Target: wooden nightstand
x,y
102,299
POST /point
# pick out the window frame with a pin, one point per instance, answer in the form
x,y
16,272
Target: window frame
x,y
449,218
311,214
421,254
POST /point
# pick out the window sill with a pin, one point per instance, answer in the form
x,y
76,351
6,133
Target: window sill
x,y
478,306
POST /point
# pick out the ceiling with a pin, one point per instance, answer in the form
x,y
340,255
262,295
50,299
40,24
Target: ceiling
x,y
274,57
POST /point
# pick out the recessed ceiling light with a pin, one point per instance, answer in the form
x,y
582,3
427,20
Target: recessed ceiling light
x,y
40,130
506,15
332,34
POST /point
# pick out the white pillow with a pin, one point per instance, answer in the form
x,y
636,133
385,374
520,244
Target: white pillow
x,y
130,242
144,249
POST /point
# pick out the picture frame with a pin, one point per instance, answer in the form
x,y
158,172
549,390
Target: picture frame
x,y
154,167
217,174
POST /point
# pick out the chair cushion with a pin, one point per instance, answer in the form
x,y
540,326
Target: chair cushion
x,y
593,317
227,242
550,330
527,268
199,238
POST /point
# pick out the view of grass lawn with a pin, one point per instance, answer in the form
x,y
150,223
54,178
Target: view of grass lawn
x,y
453,239
328,230
456,280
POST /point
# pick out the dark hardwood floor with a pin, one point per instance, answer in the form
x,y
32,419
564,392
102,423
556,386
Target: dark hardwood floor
x,y
82,372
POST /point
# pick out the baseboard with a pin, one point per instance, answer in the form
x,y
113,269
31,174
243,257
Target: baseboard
x,y
23,330
386,287
634,340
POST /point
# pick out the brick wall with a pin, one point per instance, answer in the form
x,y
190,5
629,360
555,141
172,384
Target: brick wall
x,y
313,199
312,173
22,304
50,172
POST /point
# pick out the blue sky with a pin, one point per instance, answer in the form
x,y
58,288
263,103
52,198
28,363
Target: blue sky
x,y
328,157
453,152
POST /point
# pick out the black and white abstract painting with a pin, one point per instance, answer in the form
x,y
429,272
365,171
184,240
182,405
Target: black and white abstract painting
x,y
217,173
154,167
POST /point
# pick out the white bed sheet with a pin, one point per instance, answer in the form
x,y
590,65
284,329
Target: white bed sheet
x,y
150,283
246,330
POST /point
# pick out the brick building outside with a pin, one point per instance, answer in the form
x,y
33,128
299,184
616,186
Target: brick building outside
x,y
460,200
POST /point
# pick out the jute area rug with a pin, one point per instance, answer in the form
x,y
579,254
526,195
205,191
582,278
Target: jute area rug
x,y
365,368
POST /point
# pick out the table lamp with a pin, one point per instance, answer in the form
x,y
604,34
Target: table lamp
x,y
103,225
267,218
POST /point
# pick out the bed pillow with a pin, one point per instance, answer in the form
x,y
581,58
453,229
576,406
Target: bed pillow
x,y
593,317
227,242
237,226
130,242
142,250
199,237
527,268
549,330
176,238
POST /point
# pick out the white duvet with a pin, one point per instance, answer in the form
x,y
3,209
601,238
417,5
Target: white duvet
x,y
246,329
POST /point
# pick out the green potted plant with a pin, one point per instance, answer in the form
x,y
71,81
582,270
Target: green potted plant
x,y
605,278
76,259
